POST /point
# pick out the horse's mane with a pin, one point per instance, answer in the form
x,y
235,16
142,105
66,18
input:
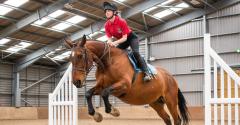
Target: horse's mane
x,y
92,41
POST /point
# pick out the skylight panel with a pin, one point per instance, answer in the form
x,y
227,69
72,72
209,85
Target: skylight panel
x,y
41,21
163,13
62,56
76,19
183,5
53,15
56,13
59,57
4,41
66,53
150,9
103,38
61,26
18,47
24,44
16,3
166,2
13,49
119,0
4,10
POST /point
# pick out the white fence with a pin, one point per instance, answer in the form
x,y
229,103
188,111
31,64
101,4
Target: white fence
x,y
221,89
63,102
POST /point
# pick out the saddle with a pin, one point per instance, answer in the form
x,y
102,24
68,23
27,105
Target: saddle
x,y
150,68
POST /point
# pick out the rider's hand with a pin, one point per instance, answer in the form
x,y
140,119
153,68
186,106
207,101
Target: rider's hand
x,y
111,44
115,44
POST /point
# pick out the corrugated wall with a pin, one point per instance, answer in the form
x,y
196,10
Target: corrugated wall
x,y
180,50
5,85
37,95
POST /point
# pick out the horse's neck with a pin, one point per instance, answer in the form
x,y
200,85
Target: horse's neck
x,y
102,51
97,48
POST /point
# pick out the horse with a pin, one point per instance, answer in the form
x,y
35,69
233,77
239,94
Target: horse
x,y
114,77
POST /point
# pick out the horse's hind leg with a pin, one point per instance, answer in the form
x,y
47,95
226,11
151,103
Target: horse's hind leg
x,y
159,108
173,109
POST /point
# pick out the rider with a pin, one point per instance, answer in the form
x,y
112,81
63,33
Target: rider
x,y
117,27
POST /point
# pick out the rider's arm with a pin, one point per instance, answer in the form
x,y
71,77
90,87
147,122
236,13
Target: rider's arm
x,y
109,40
108,34
123,39
125,32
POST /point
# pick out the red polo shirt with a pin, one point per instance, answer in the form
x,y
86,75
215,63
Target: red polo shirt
x,y
117,28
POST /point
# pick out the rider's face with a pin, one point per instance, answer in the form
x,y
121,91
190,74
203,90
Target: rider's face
x,y
109,13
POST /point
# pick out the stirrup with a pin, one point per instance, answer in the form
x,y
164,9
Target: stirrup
x,y
146,77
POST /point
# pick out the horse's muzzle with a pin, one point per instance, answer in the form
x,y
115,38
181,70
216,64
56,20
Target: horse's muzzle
x,y
78,84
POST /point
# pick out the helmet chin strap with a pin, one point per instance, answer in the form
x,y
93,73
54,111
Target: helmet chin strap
x,y
111,16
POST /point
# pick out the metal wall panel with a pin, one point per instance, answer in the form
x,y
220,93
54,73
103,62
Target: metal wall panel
x,y
226,43
5,84
191,82
194,98
181,48
183,65
36,96
185,31
224,25
5,100
235,9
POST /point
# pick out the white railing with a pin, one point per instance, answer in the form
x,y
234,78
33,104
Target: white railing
x,y
218,91
62,109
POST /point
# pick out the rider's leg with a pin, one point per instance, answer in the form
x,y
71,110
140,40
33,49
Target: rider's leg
x,y
134,43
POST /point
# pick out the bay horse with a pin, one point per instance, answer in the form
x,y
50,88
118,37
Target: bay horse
x,y
114,77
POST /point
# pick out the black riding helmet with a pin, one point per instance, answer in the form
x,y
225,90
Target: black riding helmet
x,y
109,6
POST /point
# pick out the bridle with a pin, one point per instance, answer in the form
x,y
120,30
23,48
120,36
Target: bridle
x,y
98,61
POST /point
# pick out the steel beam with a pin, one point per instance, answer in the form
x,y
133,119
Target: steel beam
x,y
31,58
140,8
39,81
33,17
16,88
188,17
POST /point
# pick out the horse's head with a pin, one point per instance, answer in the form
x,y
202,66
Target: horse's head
x,y
81,60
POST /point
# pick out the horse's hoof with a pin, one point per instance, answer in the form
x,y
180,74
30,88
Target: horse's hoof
x,y
97,117
114,112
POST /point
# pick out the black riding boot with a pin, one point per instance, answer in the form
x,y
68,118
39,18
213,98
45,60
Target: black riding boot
x,y
143,65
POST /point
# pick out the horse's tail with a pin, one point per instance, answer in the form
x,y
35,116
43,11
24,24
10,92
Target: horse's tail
x,y
183,108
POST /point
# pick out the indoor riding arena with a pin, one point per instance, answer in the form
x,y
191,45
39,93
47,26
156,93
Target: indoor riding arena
x,y
120,62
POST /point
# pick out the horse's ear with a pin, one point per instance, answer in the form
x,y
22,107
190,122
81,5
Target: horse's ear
x,y
84,39
68,43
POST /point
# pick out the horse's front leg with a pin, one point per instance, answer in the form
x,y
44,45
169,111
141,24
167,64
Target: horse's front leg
x,y
96,116
118,87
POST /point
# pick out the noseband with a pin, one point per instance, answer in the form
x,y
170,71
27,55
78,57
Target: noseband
x,y
86,60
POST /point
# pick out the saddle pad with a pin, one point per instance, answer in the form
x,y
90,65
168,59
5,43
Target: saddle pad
x,y
151,68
